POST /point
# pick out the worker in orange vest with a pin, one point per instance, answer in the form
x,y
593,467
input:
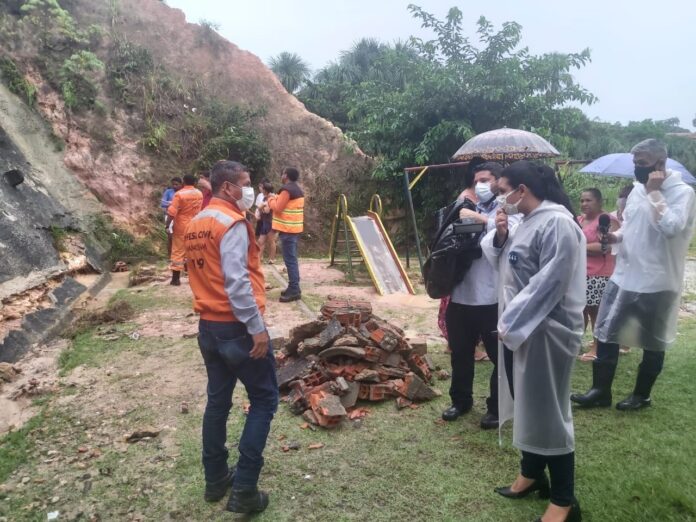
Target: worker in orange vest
x,y
288,221
185,205
229,294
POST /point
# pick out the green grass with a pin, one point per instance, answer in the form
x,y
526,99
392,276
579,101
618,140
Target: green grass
x,y
92,350
16,446
393,465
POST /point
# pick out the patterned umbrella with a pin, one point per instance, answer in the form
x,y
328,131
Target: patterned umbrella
x,y
620,165
506,145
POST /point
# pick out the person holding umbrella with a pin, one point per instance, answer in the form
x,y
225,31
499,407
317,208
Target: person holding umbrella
x,y
641,300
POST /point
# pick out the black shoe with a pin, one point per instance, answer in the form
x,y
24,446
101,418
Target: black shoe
x,y
289,298
215,491
599,396
454,412
284,292
541,485
176,278
489,421
574,515
245,501
633,402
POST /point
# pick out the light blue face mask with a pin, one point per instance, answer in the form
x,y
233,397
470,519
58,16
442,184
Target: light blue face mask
x,y
484,192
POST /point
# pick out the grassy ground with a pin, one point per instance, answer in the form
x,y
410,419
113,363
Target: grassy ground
x,y
390,466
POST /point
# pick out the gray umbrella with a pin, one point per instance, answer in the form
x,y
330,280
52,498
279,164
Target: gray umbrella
x,y
506,145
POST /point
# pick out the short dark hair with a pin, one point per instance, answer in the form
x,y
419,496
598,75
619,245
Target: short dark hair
x,y
176,178
267,186
225,171
189,179
596,193
493,167
292,173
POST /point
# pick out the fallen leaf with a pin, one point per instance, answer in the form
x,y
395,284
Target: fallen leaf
x,y
304,426
317,445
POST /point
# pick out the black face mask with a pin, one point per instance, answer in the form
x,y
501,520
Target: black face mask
x,y
643,173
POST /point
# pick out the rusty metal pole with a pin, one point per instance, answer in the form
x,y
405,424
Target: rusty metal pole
x,y
409,200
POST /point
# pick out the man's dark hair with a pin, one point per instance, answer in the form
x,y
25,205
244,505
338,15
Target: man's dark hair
x,y
176,178
189,179
596,193
225,171
493,167
292,173
267,186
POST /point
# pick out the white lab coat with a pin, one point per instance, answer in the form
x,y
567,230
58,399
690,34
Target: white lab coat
x,y
541,299
651,254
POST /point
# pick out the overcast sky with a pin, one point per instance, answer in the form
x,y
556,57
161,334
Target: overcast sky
x,y
642,57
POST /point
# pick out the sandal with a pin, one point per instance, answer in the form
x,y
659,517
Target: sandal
x,y
481,356
587,357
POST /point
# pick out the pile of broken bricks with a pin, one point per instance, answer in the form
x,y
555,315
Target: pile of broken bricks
x,y
348,354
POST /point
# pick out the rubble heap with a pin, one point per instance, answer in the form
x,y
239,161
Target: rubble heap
x,y
349,354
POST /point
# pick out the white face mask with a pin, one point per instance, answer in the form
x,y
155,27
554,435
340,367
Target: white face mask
x,y
483,191
509,208
248,198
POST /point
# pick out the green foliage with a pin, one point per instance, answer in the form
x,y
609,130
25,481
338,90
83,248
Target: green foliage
x,y
15,81
128,64
58,234
55,25
78,80
120,244
155,138
416,103
291,70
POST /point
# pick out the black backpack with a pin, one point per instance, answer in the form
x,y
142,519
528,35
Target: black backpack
x,y
455,247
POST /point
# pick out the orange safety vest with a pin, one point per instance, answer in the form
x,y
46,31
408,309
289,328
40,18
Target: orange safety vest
x,y
185,204
291,218
202,239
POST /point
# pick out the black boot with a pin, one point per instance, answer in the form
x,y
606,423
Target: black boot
x,y
640,398
599,396
247,501
214,491
176,278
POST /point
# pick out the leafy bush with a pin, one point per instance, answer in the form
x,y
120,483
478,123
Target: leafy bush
x,y
77,76
121,245
16,82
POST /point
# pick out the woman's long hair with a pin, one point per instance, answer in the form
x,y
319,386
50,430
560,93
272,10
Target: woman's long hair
x,y
540,179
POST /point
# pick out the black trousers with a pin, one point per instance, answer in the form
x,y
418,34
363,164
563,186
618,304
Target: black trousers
x,y
561,470
467,324
650,367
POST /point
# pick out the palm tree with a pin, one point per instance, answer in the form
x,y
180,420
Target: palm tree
x,y
291,70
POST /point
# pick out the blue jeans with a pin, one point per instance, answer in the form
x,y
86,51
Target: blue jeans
x,y
225,348
289,244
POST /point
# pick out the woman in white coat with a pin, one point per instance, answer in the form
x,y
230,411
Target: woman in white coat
x,y
542,296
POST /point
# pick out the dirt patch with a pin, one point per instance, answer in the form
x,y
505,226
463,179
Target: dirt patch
x,y
37,377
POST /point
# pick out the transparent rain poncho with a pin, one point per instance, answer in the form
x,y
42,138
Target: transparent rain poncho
x,y
541,299
650,259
